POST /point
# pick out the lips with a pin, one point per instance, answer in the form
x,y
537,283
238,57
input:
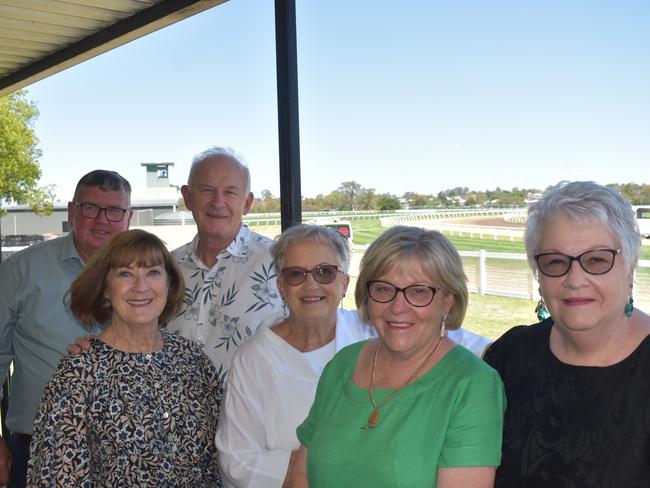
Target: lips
x,y
575,302
141,302
311,299
399,325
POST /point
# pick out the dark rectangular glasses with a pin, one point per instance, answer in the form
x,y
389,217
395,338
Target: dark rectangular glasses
x,y
322,273
595,262
416,295
91,211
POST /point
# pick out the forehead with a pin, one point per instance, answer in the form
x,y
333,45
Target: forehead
x,y
219,171
103,198
562,234
407,271
309,253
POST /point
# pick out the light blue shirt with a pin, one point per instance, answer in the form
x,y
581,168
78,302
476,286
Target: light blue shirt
x,y
35,324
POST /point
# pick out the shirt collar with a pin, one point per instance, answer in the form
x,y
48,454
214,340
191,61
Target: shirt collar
x,y
236,248
68,249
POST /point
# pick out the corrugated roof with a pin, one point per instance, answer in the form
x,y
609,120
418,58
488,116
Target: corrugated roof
x,y
42,37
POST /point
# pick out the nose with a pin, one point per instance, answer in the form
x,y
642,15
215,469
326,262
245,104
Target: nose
x,y
101,217
141,283
576,275
310,282
399,303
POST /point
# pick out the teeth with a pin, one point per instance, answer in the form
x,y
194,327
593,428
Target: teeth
x,y
311,299
139,302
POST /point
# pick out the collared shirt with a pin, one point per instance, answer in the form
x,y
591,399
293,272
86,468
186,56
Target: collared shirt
x,y
226,304
35,323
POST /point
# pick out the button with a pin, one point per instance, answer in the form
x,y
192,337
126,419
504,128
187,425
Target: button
x,y
165,415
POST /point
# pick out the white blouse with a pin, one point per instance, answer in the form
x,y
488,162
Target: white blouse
x,y
270,389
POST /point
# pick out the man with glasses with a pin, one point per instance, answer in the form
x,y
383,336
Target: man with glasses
x,y
230,278
35,324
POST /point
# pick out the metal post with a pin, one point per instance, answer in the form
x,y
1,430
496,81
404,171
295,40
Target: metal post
x,y
288,128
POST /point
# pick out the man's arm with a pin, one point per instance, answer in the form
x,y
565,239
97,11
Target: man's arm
x,y
9,286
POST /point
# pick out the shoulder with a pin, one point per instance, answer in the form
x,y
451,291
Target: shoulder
x,y
349,322
43,251
468,365
470,340
520,341
251,350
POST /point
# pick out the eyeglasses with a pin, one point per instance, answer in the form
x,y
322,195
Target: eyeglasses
x,y
322,273
416,295
594,262
91,211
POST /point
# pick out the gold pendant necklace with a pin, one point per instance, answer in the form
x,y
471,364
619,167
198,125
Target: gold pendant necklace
x,y
373,418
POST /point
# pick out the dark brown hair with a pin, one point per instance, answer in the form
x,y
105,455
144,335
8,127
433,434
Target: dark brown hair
x,y
129,248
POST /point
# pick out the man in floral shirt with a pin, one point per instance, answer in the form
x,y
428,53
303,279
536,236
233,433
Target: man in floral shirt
x,y
230,277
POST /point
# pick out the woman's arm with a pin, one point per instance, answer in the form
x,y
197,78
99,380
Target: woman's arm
x,y
242,435
475,477
298,473
59,450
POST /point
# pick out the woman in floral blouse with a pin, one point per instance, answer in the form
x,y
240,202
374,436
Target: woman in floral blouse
x,y
139,407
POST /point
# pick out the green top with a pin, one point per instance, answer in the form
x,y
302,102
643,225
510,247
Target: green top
x,y
450,417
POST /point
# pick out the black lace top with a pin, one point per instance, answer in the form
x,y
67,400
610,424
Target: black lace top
x,y
571,426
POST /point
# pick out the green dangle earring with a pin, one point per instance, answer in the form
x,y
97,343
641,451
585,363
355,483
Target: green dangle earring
x,y
629,307
541,310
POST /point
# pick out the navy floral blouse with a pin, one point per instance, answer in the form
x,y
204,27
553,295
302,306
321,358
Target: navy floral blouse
x,y
115,419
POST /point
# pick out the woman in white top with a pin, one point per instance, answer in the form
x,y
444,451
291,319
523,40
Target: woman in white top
x,y
273,377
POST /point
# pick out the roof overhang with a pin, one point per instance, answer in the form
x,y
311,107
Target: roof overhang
x,y
41,37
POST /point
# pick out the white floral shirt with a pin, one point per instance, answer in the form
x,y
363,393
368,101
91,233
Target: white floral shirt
x,y
225,305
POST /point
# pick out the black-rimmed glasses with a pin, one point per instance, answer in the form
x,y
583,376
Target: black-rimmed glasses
x,y
322,273
594,262
91,211
416,295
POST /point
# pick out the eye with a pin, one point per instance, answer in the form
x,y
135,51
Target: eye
x,y
123,273
383,288
419,290
155,272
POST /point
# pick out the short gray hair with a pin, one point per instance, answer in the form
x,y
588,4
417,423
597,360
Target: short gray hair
x,y
432,251
221,152
106,181
317,233
584,202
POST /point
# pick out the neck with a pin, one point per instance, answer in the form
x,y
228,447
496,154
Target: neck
x,y
209,248
307,335
128,339
596,347
85,256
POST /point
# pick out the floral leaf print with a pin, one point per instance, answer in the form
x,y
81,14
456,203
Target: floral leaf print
x,y
230,296
231,335
212,282
263,292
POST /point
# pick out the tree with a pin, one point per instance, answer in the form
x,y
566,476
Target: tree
x,y
386,201
350,190
19,154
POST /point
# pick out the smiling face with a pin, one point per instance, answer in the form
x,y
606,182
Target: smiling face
x,y
91,234
312,300
137,295
408,331
580,301
218,198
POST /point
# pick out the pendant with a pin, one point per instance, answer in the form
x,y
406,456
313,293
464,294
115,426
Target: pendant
x,y
373,420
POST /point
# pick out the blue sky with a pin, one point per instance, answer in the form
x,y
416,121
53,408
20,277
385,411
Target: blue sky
x,y
399,96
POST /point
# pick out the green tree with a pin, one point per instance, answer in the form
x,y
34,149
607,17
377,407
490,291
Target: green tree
x,y
19,154
386,201
350,191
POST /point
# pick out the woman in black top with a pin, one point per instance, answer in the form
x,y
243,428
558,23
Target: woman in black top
x,y
578,382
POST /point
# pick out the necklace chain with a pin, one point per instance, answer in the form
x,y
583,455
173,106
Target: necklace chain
x,y
373,418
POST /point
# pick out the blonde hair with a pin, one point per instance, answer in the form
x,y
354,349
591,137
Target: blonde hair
x,y
432,251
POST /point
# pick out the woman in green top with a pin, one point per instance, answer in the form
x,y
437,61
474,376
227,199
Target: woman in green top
x,y
411,408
